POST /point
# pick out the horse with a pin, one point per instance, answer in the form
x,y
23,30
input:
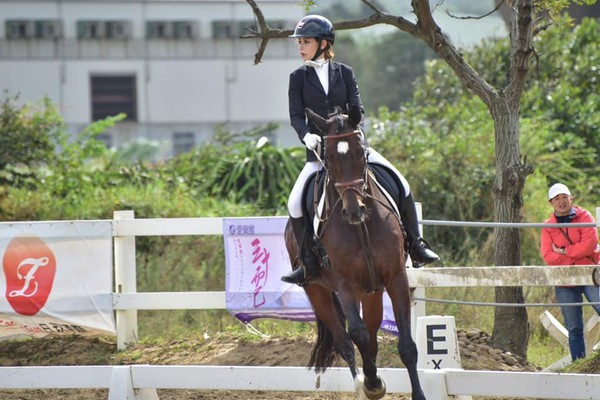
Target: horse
x,y
363,238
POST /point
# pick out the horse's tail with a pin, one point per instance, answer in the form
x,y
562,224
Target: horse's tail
x,y
323,353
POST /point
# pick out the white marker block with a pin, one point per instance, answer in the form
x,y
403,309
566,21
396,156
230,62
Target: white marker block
x,y
437,343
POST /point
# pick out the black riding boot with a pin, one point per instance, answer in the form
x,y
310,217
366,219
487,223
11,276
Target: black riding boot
x,y
305,241
418,248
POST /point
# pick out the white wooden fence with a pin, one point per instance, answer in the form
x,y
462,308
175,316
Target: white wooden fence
x,y
140,382
126,299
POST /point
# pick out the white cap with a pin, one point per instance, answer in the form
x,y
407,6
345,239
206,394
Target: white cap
x,y
556,189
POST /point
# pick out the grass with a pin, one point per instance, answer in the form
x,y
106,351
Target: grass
x,y
590,364
544,352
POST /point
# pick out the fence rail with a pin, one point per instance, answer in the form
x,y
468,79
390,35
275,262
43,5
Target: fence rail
x,y
140,382
423,277
127,300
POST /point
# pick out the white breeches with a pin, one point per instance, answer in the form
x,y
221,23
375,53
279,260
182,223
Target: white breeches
x,y
295,199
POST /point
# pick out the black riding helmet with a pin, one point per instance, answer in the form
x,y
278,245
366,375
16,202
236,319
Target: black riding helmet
x,y
315,26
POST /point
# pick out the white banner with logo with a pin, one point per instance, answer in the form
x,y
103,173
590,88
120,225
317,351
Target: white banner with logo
x,y
255,259
56,278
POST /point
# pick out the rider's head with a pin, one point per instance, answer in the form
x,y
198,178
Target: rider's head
x,y
319,28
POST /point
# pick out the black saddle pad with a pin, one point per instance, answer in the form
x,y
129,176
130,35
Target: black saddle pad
x,y
309,194
384,176
389,180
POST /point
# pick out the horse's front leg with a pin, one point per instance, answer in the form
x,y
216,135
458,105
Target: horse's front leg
x,y
407,349
372,312
374,388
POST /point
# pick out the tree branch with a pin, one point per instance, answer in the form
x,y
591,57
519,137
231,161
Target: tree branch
x,y
425,29
264,32
432,34
498,5
521,48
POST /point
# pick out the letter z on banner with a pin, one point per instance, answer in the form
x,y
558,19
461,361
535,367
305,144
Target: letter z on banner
x,y
256,258
56,278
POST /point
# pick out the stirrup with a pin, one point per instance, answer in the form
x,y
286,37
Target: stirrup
x,y
421,253
297,276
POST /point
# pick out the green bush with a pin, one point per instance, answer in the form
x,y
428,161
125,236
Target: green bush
x,y
29,134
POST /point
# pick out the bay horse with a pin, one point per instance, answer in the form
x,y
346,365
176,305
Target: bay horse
x,y
364,241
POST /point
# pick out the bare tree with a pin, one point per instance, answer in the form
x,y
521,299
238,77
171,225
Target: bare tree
x,y
576,10
511,328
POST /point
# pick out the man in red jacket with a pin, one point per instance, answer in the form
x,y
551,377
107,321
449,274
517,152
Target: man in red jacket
x,y
567,246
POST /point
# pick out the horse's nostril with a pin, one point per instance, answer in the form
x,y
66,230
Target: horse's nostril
x,y
344,213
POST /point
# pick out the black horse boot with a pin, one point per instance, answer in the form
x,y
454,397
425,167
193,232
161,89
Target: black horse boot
x,y
418,248
300,275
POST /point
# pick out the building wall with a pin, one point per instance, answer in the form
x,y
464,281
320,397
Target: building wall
x,y
187,85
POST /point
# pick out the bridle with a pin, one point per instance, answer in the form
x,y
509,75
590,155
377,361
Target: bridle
x,y
357,185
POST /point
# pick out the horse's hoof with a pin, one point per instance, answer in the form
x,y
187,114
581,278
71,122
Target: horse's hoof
x,y
375,393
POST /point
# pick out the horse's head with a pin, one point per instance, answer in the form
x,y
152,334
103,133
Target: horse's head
x,y
346,159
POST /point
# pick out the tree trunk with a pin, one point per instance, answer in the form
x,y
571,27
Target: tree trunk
x,y
511,327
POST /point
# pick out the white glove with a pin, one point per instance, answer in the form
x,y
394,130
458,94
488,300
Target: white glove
x,y
311,140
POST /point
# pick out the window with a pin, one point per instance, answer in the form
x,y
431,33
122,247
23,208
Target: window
x,y
48,29
223,29
159,30
19,29
171,29
112,95
281,24
90,29
118,29
182,142
185,29
247,27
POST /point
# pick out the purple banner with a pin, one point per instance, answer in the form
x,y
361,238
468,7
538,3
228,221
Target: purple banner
x,y
255,260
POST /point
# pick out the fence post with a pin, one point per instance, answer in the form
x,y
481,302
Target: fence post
x,y
121,386
125,282
417,307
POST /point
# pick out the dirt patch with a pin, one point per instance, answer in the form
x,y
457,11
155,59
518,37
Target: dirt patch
x,y
222,349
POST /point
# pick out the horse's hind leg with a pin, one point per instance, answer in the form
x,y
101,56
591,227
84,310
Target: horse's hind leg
x,y
329,313
374,388
407,349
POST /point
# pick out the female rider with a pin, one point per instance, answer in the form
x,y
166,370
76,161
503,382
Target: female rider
x,y
321,85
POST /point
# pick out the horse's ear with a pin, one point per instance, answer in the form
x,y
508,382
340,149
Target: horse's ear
x,y
319,121
355,116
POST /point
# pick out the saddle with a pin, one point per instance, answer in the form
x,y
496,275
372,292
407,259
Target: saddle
x,y
387,179
384,176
